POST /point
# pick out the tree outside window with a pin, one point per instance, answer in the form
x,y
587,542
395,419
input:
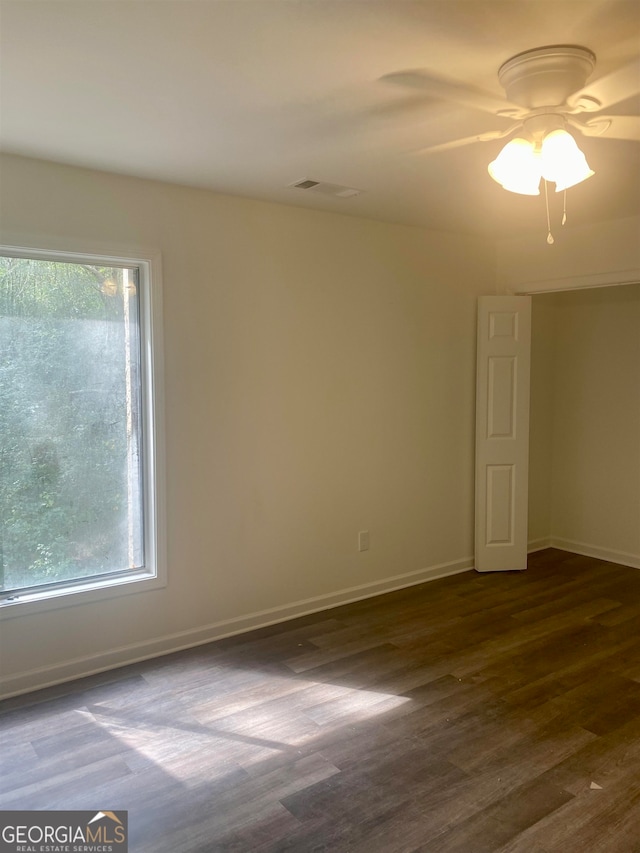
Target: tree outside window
x,y
71,455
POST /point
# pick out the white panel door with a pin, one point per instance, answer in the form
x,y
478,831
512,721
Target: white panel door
x,y
502,432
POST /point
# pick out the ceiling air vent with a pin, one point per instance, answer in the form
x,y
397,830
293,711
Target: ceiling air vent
x,y
325,188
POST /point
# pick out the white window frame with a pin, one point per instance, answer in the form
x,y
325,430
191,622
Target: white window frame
x,y
154,573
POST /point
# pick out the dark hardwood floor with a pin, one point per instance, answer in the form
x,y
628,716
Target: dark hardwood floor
x,y
496,712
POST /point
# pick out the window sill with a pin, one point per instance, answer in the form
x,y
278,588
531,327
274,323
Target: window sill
x,y
28,604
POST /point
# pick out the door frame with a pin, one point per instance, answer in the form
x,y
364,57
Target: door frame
x,y
615,278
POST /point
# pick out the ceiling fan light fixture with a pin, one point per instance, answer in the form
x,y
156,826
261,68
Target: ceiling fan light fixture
x,y
562,161
518,167
521,164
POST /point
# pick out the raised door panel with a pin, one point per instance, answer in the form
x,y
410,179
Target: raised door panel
x,y
502,432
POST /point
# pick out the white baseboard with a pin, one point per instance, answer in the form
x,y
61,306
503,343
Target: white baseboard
x,y
587,550
49,676
538,545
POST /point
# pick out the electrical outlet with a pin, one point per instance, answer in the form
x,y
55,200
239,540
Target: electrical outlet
x,y
363,540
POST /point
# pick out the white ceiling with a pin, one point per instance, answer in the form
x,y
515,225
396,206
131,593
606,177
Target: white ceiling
x,y
248,96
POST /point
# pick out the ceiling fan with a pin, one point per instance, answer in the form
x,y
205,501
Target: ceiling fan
x,y
546,81
546,92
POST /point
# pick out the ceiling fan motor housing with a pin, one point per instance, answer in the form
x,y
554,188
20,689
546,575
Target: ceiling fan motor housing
x,y
546,76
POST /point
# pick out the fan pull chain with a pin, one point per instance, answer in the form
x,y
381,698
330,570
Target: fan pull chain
x,y
564,208
550,239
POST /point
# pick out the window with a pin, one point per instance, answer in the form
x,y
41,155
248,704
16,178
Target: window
x,y
78,484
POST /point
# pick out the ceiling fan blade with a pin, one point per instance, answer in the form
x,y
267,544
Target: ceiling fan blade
x,y
469,140
444,90
608,90
611,127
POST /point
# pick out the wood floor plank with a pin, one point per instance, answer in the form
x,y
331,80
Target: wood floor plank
x,y
504,820
493,713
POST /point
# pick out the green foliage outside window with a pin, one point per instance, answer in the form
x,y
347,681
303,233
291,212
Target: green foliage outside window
x,y
70,472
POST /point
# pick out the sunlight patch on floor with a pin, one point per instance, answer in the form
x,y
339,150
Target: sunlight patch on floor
x,y
196,740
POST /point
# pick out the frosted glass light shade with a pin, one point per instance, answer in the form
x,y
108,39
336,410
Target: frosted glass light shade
x,y
562,161
518,167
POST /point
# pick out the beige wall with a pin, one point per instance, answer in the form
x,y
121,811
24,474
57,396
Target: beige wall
x,y
582,256
320,374
541,418
587,352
